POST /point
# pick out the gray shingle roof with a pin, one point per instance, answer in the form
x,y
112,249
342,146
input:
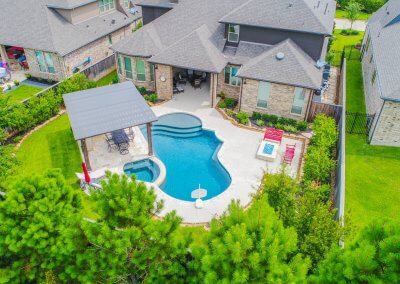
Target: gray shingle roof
x,y
311,16
102,110
384,29
296,68
31,24
157,3
68,4
195,51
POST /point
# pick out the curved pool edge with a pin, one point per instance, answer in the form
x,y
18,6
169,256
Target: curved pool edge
x,y
163,171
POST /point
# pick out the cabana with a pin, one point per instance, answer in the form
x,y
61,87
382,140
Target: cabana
x,y
99,111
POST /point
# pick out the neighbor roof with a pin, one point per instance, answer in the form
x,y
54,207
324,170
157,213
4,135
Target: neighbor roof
x,y
384,30
31,24
311,16
296,68
68,4
98,111
157,3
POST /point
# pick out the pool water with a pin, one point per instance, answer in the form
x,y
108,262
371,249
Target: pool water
x,y
189,154
145,170
268,149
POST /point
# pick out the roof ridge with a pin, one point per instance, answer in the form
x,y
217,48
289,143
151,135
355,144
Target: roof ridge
x,y
236,9
315,16
50,27
206,43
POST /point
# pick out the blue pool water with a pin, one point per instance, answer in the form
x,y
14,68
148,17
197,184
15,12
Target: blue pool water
x,y
268,149
189,154
145,170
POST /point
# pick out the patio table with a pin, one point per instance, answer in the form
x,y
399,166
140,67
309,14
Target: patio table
x,y
120,137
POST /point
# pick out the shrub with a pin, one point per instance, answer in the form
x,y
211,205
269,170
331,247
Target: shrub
x,y
260,122
325,132
230,103
115,80
318,165
371,6
271,119
222,95
222,104
153,98
302,125
28,75
16,82
256,116
242,117
142,90
76,83
229,113
138,26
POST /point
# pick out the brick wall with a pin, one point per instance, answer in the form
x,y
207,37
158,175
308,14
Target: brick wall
x,y
164,89
34,66
387,130
229,91
279,103
148,84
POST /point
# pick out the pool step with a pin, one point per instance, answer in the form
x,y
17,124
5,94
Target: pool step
x,y
180,135
176,129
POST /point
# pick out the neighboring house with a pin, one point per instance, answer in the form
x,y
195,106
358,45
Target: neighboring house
x,y
262,52
381,72
59,37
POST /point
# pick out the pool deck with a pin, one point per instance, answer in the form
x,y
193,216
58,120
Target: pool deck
x,y
237,154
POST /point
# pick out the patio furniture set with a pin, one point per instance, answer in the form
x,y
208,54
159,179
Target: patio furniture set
x,y
5,73
195,78
119,140
270,145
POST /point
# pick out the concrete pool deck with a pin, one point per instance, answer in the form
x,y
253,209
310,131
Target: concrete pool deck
x,y
237,154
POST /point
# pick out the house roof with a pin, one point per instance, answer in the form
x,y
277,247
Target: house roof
x,y
311,16
296,68
31,24
68,4
194,51
102,110
167,4
384,30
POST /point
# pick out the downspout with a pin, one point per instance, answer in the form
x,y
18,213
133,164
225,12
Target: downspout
x,y
310,99
379,116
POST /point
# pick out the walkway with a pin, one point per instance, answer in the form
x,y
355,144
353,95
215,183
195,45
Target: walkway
x,y
237,155
341,24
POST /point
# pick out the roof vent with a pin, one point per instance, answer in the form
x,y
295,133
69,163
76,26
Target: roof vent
x,y
112,22
290,5
280,55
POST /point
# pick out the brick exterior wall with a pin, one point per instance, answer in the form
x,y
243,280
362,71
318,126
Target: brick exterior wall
x,y
229,91
148,84
279,102
387,130
34,66
164,89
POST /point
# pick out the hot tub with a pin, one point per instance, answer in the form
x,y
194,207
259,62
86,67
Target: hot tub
x,y
145,170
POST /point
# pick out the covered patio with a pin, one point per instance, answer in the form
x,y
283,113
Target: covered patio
x,y
104,122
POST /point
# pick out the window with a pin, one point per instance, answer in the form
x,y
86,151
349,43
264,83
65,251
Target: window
x,y
106,5
298,102
45,62
230,76
263,94
126,4
233,33
128,67
109,39
119,64
140,70
152,72
373,79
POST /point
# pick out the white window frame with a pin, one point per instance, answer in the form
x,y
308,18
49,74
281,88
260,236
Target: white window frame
x,y
47,65
295,105
233,33
263,97
106,5
233,80
137,70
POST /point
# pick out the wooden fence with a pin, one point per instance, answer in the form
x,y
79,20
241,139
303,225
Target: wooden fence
x,y
100,69
316,108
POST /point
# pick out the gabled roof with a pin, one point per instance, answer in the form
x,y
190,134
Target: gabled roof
x,y
31,24
195,51
384,30
68,4
311,16
167,4
102,110
296,68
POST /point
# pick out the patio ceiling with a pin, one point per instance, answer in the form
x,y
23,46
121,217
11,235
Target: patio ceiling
x,y
102,110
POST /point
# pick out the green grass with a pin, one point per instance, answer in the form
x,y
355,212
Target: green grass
x,y
341,14
107,80
342,41
372,178
21,93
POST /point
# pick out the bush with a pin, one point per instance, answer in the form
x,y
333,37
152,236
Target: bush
x,y
222,95
325,132
370,6
222,104
28,75
260,122
256,115
243,117
76,83
302,125
142,90
349,32
230,103
270,119
318,165
229,113
16,82
115,80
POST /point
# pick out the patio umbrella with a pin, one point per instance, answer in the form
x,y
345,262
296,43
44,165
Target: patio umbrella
x,y
199,193
86,173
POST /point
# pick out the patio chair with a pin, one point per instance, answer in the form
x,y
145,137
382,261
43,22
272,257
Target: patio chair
x,y
204,77
289,154
197,84
124,148
181,79
130,133
273,134
111,145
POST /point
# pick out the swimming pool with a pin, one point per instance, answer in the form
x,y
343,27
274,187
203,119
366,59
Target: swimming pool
x,y
189,154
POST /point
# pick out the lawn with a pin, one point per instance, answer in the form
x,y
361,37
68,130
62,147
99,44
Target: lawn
x,y
340,42
21,93
372,178
341,14
107,80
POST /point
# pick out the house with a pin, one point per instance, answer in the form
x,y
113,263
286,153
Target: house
x,y
267,54
381,72
60,37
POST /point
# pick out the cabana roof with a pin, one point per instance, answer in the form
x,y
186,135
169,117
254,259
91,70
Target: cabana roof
x,y
102,110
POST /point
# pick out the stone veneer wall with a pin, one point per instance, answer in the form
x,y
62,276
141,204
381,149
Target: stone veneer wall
x,y
34,66
229,91
148,84
279,103
164,89
387,131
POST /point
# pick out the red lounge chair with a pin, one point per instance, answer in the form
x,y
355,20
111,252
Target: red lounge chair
x,y
273,135
289,154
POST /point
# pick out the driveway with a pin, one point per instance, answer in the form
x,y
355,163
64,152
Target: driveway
x,y
341,24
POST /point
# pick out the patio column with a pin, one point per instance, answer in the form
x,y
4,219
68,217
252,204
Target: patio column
x,y
85,154
213,90
149,139
3,54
